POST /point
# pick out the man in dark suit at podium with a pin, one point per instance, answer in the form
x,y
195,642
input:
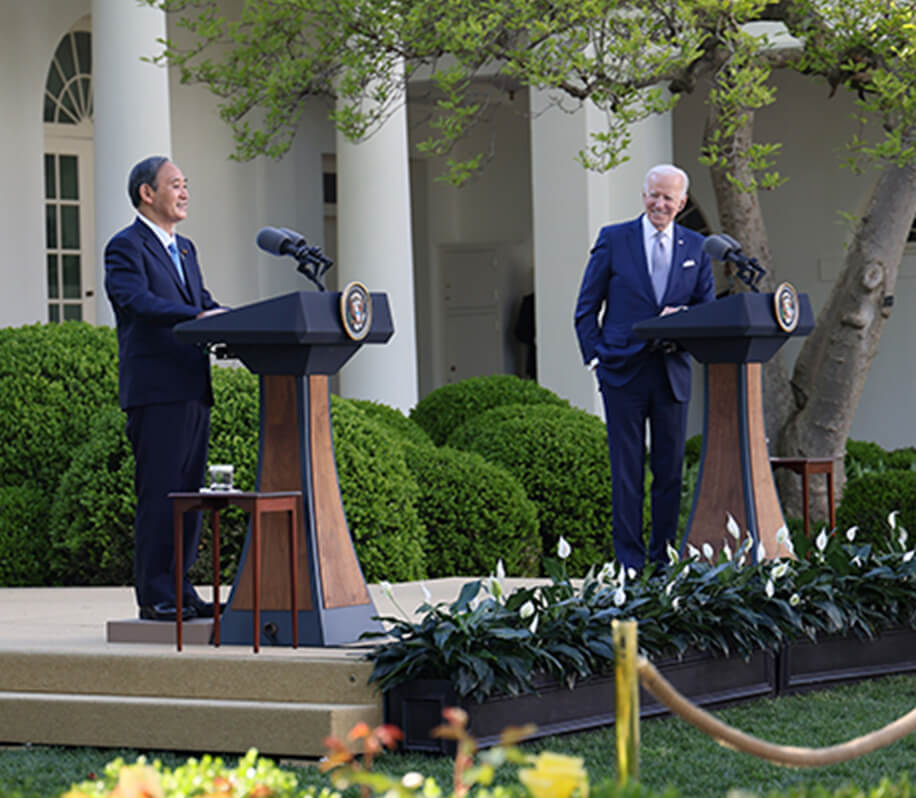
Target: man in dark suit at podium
x,y
153,282
646,267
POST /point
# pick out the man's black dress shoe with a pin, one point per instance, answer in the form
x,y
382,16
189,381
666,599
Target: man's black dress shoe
x,y
166,612
203,608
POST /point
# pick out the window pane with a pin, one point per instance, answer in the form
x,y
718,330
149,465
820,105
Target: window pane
x,y
53,313
73,313
69,178
65,57
70,226
69,114
53,292
72,288
50,192
51,226
84,51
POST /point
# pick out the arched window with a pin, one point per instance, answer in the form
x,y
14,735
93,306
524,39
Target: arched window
x,y
68,176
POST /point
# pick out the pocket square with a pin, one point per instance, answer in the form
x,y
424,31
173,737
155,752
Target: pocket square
x,y
688,263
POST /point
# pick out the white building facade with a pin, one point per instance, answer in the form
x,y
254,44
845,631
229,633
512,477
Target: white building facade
x,y
81,106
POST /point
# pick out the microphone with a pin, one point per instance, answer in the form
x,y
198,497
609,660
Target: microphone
x,y
313,263
725,248
279,241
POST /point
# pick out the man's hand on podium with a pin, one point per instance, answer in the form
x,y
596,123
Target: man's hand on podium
x,y
211,312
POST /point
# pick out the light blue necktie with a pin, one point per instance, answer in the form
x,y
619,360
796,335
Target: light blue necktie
x,y
659,267
173,251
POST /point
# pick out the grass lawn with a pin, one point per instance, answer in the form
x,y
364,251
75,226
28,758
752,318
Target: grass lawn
x,y
671,752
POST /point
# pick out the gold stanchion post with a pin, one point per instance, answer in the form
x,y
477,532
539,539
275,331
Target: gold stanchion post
x,y
627,711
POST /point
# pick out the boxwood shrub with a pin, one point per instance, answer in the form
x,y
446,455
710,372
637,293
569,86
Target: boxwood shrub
x,y
447,408
475,514
379,496
394,421
869,499
559,455
23,537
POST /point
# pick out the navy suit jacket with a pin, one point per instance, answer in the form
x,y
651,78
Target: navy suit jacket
x,y
149,298
617,278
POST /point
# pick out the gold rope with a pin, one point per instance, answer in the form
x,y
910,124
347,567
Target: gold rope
x,y
789,756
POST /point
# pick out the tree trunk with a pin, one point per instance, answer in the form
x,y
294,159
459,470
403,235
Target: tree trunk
x,y
831,369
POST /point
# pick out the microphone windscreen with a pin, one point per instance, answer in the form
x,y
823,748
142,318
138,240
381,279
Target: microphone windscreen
x,y
717,247
273,241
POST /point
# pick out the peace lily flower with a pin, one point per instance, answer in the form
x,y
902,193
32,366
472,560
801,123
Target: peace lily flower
x,y
851,533
902,538
732,526
779,571
606,574
412,780
673,555
794,600
676,604
909,555
761,552
533,626
821,540
770,588
620,596
668,588
563,548
693,551
526,610
708,552
784,539
631,573
727,551
555,776
892,518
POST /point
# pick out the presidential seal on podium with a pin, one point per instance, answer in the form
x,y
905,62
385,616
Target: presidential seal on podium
x,y
356,310
785,306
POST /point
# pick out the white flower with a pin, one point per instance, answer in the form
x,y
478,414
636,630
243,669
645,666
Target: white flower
x,y
427,596
851,533
676,604
606,574
526,610
412,780
892,518
708,552
386,589
770,588
821,541
856,560
727,551
693,551
732,526
909,555
673,555
795,599
563,548
761,552
668,588
779,571
495,588
500,570
782,534
902,538
631,573
620,596
534,624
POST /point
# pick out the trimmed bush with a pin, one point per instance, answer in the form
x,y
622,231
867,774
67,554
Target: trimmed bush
x,y
475,514
379,496
447,408
394,421
902,459
869,499
23,539
92,519
559,455
863,457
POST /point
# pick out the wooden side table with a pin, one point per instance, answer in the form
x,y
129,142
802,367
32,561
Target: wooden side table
x,y
806,466
255,504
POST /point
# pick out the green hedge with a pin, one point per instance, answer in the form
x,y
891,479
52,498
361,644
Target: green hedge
x,y
447,408
23,539
869,499
559,455
475,514
379,496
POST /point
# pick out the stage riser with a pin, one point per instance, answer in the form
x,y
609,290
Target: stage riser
x,y
274,728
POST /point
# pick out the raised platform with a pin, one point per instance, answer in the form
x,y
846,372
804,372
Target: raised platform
x,y
76,668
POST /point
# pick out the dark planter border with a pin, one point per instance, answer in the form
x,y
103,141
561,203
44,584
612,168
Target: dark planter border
x,y
416,707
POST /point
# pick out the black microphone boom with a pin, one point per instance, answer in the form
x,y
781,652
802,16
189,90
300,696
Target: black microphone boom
x,y
313,263
724,248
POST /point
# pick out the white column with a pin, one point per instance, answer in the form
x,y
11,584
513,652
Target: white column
x,y
132,120
570,204
374,247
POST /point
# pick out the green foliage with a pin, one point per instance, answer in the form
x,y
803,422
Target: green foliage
x,y
559,455
868,500
55,379
444,410
475,514
395,421
499,643
862,457
379,496
23,542
91,527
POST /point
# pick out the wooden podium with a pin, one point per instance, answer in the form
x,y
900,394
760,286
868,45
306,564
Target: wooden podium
x,y
732,337
294,342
